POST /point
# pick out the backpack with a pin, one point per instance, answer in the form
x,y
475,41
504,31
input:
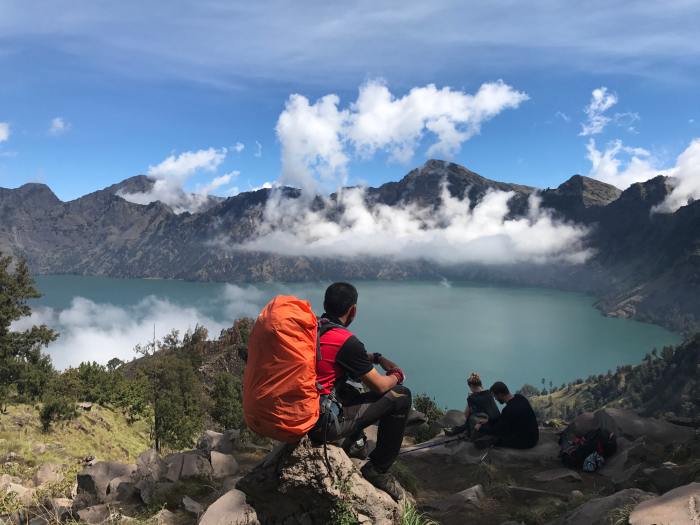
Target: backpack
x,y
574,451
280,393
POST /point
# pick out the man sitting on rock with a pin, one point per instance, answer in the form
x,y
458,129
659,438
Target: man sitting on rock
x,y
516,427
345,412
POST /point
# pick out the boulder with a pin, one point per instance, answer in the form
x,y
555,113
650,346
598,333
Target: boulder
x,y
470,497
557,474
94,480
669,476
60,507
223,465
680,506
48,472
598,511
165,517
95,514
192,506
187,465
528,494
219,442
24,495
121,489
153,491
452,418
6,479
149,465
230,509
298,483
627,424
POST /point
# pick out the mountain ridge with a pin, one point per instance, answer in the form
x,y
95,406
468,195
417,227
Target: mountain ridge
x,y
645,265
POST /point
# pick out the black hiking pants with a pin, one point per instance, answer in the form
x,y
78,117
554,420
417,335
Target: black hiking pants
x,y
360,410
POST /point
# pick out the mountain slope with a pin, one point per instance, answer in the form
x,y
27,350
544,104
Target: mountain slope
x,y
646,265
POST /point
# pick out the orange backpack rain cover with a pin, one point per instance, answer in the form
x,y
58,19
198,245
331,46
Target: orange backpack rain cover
x,y
280,396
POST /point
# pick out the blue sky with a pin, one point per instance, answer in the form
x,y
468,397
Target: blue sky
x,y
126,86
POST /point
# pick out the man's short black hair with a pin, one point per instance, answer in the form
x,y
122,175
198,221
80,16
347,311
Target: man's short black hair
x,y
339,298
499,388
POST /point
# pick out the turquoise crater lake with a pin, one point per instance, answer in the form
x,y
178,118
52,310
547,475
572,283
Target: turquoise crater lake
x,y
438,332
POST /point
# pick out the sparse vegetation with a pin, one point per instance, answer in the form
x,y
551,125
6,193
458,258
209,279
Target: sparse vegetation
x,y
427,405
412,516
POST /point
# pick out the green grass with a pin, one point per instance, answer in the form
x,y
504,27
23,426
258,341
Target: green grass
x,y
101,432
412,516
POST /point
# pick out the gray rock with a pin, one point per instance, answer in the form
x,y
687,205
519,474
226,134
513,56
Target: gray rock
x,y
24,494
48,472
470,497
230,509
61,507
121,489
94,480
220,442
95,514
669,476
680,506
165,517
557,474
223,465
597,511
192,506
187,465
149,465
287,484
528,494
38,520
452,418
85,406
6,479
153,491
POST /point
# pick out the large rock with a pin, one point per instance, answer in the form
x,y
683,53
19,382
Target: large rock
x,y
223,465
47,473
557,474
94,480
599,511
187,465
452,418
680,506
230,509
627,424
219,442
295,485
150,466
24,494
470,497
669,476
95,514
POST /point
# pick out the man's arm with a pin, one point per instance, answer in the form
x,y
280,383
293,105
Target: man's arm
x,y
379,383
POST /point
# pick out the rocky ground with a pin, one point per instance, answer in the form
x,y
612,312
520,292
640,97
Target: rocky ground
x,y
653,478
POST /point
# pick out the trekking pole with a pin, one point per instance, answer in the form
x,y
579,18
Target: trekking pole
x,y
430,445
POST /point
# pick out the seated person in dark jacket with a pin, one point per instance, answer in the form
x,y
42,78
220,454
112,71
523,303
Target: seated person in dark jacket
x,y
481,408
517,425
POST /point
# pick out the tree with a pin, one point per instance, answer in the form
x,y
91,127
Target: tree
x,y
23,366
227,401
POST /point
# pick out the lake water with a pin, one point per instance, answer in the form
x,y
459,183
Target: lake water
x,y
438,332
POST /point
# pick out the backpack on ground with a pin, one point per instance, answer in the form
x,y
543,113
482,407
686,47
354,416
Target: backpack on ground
x,y
575,449
280,393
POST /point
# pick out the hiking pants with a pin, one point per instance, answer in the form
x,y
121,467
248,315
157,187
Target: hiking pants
x,y
389,410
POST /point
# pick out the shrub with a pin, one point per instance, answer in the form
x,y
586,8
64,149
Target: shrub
x,y
56,409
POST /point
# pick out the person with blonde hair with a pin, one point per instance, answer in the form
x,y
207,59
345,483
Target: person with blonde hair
x,y
481,408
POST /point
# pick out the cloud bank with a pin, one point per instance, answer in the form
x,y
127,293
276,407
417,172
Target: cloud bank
x,y
686,180
91,331
172,173
318,140
450,234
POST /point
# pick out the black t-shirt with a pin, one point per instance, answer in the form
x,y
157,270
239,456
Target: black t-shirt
x,y
517,424
352,356
483,402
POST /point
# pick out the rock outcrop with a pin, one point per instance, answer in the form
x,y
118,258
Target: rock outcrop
x,y
296,485
680,506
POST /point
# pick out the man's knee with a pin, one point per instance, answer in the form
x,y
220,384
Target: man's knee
x,y
401,398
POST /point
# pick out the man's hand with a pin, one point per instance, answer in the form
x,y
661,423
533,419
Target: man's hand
x,y
477,427
398,374
386,364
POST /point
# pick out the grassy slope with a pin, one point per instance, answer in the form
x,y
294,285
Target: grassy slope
x,y
101,432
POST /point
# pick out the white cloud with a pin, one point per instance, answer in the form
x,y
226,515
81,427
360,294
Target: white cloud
x,y
560,114
318,140
58,126
601,101
621,165
686,179
91,331
4,131
451,234
258,149
172,173
238,147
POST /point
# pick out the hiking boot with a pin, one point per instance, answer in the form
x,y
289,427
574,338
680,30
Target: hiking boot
x,y
383,481
357,448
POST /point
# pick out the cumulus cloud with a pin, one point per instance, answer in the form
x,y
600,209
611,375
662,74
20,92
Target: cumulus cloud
x,y
171,174
450,234
258,149
58,126
238,147
318,140
4,131
622,165
686,180
601,101
91,331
